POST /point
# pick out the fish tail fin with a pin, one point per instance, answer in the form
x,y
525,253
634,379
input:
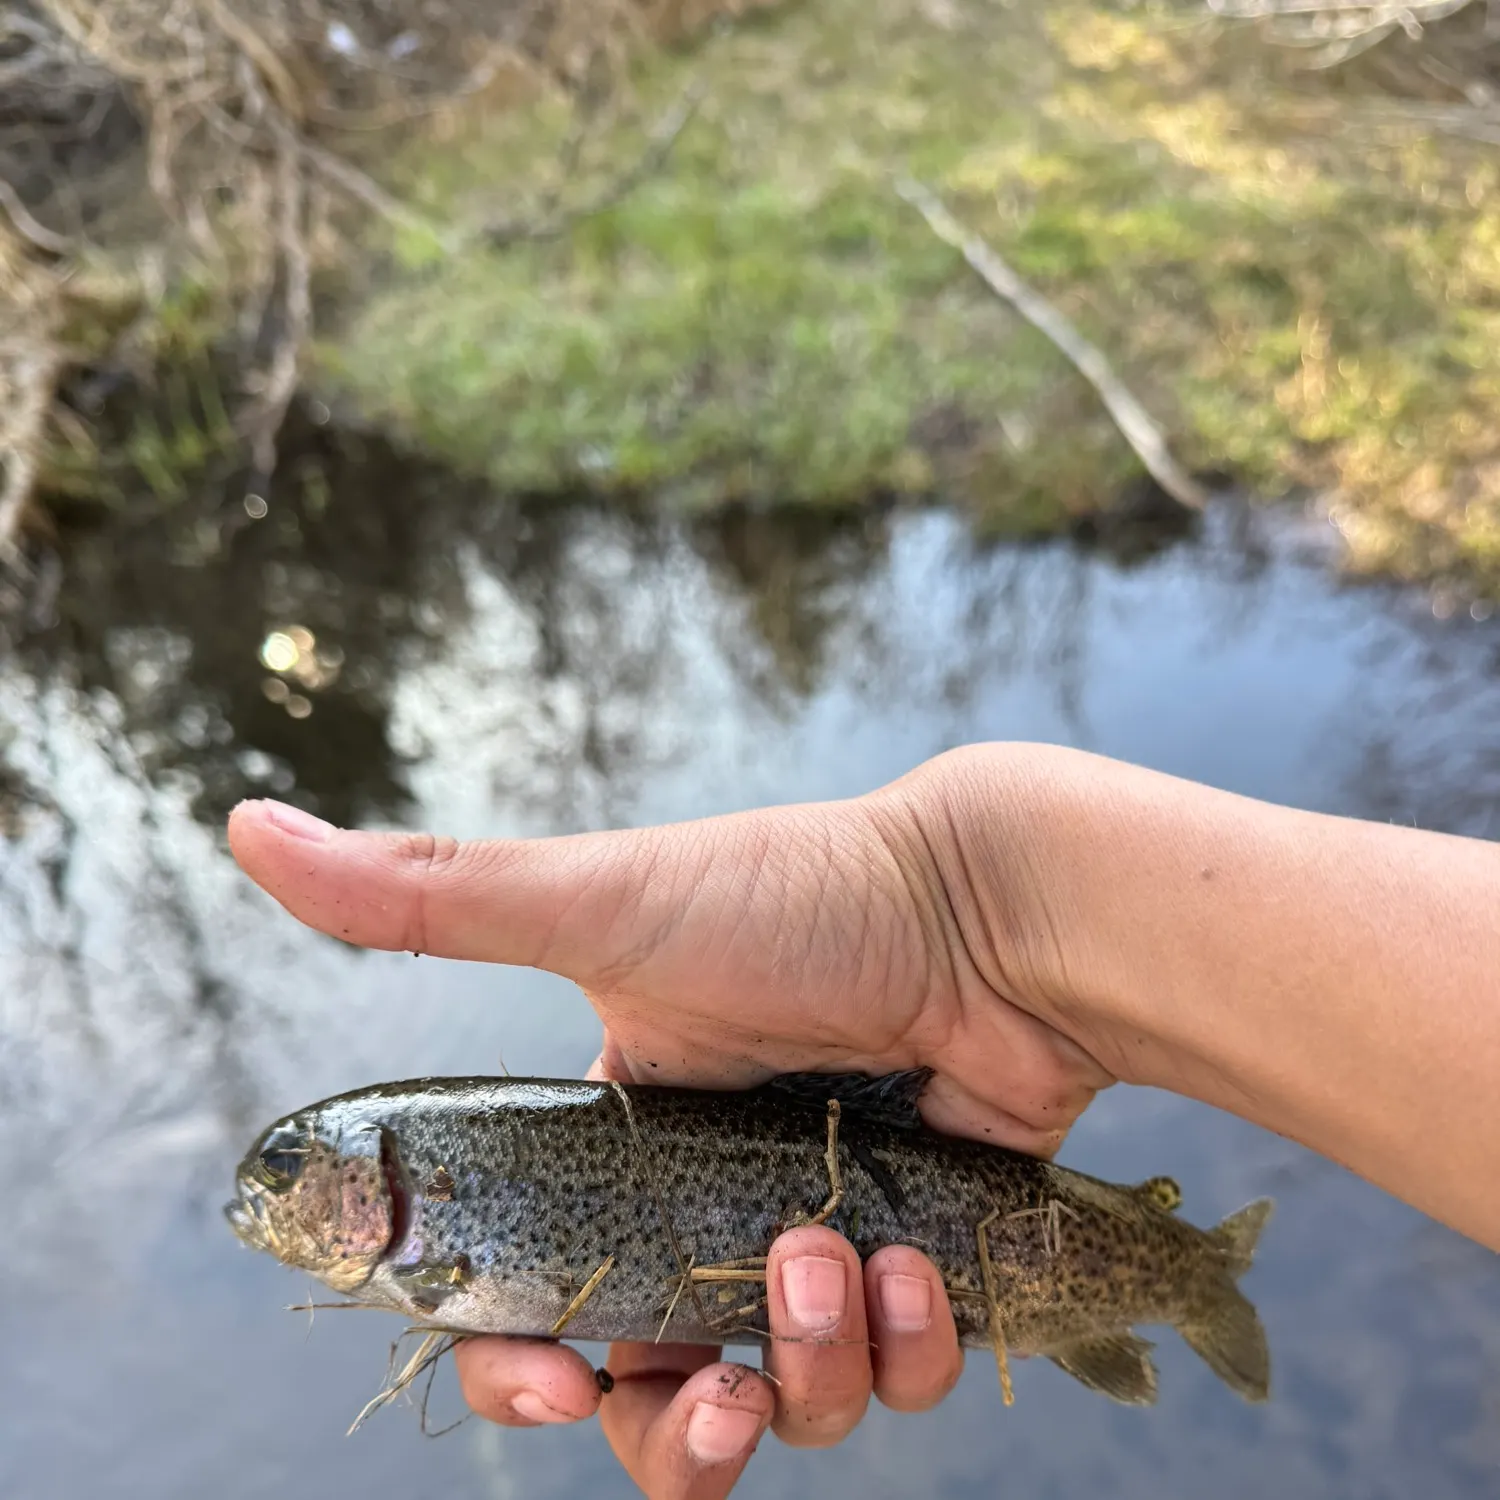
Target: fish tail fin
x,y
1224,1330
1238,1235
1227,1335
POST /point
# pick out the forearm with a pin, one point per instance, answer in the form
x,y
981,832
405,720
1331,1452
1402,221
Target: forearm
x,y
1333,980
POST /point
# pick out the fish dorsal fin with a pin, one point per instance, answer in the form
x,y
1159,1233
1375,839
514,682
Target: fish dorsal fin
x,y
1117,1364
1238,1235
890,1098
1164,1192
1128,1204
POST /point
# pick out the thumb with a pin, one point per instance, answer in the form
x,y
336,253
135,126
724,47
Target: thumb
x,y
580,905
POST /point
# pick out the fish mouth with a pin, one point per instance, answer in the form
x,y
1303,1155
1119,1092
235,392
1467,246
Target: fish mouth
x,y
245,1217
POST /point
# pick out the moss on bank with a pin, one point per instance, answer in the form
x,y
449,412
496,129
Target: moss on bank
x,y
1303,287
763,318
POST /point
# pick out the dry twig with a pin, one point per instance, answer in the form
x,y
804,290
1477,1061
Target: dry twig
x,y
1135,426
1050,1213
31,371
49,241
432,1348
672,1305
835,1180
684,1266
658,148
730,1272
992,1301
585,1292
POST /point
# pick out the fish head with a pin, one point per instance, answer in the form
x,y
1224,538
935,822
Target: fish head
x,y
322,1194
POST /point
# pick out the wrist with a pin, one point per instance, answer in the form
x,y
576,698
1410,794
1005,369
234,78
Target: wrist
x,y
1084,889
1328,979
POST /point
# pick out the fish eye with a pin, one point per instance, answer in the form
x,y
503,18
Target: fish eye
x,y
279,1168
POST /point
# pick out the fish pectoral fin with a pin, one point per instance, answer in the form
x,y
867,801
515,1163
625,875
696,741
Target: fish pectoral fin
x,y
1117,1364
890,1098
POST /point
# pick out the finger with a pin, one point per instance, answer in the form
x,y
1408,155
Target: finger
x,y
521,901
526,1382
914,1344
611,1064
819,1351
683,1425
646,1379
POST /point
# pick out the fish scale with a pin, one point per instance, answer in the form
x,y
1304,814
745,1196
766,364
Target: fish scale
x,y
503,1197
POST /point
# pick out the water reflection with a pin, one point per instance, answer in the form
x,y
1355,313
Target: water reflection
x,y
491,667
220,632
170,616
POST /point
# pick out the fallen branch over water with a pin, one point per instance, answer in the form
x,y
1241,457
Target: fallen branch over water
x,y
1136,427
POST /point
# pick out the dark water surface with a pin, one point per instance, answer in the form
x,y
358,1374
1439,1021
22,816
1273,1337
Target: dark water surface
x,y
479,668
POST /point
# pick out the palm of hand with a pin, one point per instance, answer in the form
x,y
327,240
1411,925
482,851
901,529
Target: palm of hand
x,y
805,939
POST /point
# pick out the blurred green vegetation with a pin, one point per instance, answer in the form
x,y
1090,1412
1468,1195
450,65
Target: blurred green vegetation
x,y
762,318
155,438
1299,280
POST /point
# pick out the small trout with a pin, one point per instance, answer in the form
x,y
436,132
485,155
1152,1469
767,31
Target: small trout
x,y
608,1211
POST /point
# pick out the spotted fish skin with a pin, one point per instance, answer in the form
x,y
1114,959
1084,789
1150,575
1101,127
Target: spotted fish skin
x,y
505,1195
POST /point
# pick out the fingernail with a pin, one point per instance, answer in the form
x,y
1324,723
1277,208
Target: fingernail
x,y
530,1405
299,824
717,1434
816,1291
906,1302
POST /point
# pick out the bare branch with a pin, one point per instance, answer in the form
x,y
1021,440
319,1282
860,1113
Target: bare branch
x,y
1335,31
369,192
31,371
29,227
658,148
281,377
1135,426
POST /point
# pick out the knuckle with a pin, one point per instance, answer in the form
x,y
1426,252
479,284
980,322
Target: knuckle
x,y
821,1400
809,1427
431,869
921,1393
428,853
920,1383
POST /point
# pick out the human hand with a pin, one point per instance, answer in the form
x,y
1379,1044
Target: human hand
x,y
869,935
684,1423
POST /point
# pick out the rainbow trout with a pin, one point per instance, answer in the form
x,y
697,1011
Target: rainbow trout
x,y
608,1211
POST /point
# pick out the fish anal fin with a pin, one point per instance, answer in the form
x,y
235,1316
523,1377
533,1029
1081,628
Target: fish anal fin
x,y
1117,1364
1227,1335
890,1098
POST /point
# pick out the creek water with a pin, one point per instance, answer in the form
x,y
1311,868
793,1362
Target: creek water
x,y
451,661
